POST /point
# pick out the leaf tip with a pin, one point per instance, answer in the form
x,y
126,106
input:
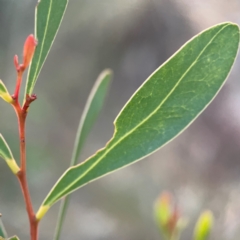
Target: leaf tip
x,y
106,73
28,50
6,154
4,94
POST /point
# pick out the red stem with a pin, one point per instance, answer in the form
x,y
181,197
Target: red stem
x,y
22,176
18,83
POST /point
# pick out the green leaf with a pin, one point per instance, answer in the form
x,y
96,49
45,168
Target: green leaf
x,y
6,154
91,111
4,94
48,17
165,105
13,238
3,232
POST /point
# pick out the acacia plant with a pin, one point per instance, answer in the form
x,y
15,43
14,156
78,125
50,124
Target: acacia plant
x,y
163,107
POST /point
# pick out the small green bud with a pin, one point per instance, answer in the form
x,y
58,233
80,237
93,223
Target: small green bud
x,y
166,215
203,226
163,208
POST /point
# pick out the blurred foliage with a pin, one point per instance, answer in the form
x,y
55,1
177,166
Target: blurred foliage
x,y
203,226
171,223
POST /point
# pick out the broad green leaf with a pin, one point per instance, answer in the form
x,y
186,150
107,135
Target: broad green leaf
x,y
48,17
13,238
6,154
3,233
91,111
203,226
167,102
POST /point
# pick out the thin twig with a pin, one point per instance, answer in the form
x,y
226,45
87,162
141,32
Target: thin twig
x,y
22,176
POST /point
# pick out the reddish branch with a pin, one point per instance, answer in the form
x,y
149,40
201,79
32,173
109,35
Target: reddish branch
x,y
21,112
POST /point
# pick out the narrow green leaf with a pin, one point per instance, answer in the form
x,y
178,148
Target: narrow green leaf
x,y
6,154
91,111
48,17
3,232
168,102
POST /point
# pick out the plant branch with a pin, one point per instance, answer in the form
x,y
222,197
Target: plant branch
x,y
18,85
22,176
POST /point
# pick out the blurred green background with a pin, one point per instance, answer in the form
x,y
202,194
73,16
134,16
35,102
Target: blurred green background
x,y
201,167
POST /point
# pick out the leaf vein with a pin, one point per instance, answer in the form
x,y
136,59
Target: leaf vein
x,y
131,131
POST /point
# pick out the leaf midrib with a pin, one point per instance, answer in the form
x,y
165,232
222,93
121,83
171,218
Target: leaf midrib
x,y
131,131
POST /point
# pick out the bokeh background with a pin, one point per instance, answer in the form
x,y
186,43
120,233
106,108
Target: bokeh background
x,y
201,167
